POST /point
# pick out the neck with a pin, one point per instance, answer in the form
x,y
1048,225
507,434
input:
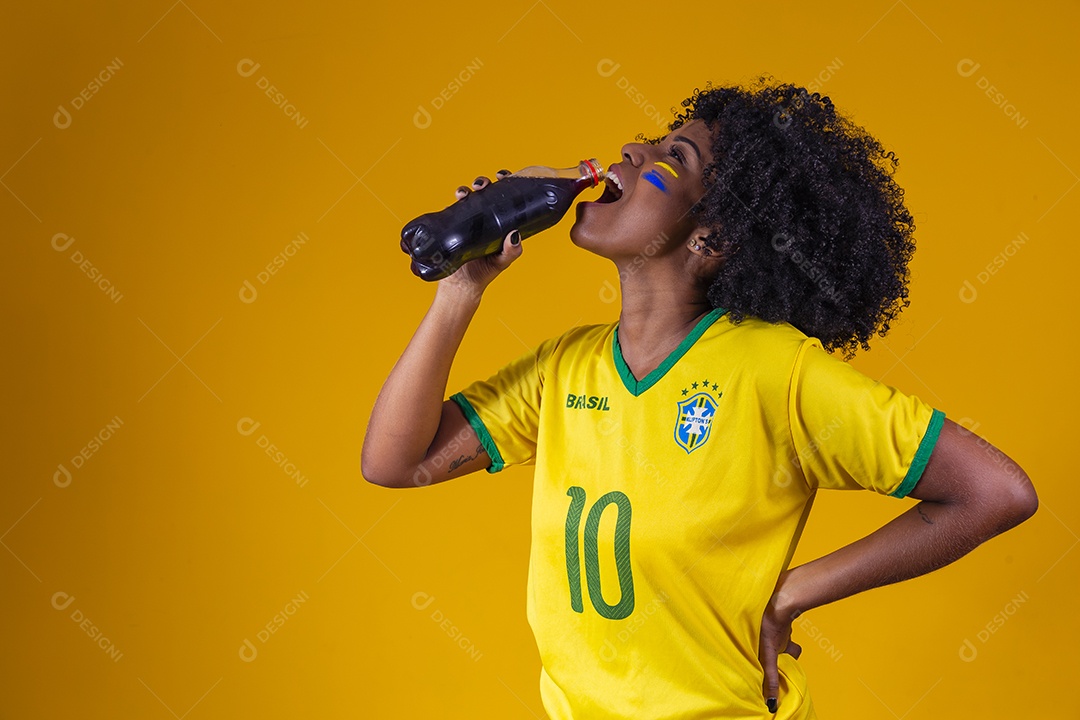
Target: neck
x,y
654,319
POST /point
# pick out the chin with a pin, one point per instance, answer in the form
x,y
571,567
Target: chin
x,y
583,241
581,237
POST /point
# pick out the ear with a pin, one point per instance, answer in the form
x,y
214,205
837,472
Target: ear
x,y
697,243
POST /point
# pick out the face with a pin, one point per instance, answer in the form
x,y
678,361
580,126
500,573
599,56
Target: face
x,y
660,183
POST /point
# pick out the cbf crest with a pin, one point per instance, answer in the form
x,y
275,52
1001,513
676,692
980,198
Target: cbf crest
x,y
694,423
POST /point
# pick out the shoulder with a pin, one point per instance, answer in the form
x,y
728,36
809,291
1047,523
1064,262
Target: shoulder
x,y
581,339
769,345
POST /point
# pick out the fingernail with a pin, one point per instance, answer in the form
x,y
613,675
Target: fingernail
x,y
771,702
476,181
515,238
463,189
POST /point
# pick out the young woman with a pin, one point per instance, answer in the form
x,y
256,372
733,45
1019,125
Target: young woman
x,y
678,451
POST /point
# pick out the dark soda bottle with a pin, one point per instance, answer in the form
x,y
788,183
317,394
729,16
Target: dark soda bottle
x,y
531,200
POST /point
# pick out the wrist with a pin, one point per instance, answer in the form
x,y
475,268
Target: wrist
x,y
458,296
790,599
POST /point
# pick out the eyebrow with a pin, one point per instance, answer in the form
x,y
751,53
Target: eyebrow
x,y
691,143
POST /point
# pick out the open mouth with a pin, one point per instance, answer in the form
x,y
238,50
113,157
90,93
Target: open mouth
x,y
612,189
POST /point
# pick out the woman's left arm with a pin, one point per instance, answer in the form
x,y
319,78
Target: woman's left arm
x,y
970,492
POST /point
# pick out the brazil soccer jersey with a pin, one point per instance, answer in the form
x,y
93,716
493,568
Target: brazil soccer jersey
x,y
665,508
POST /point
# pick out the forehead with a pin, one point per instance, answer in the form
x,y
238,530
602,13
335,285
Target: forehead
x,y
695,128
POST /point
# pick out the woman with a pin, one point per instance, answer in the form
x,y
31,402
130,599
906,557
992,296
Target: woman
x,y
761,232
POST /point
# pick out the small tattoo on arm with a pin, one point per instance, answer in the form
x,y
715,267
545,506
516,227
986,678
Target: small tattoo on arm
x,y
463,459
923,514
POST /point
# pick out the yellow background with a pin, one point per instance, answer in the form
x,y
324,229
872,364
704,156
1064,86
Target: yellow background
x,y
179,180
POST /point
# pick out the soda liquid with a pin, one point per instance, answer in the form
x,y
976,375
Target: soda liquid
x,y
441,242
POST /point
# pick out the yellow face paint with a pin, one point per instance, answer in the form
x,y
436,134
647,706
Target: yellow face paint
x,y
666,167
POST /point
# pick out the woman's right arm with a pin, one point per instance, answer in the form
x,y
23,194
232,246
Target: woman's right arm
x,y
415,437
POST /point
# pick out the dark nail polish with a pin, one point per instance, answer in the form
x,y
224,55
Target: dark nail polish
x,y
515,238
771,702
477,181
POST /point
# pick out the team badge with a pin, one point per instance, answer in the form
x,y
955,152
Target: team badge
x,y
694,422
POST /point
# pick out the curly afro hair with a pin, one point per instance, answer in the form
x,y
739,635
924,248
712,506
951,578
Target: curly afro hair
x,y
802,204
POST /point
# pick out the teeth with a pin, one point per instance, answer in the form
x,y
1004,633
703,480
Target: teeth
x,y
615,178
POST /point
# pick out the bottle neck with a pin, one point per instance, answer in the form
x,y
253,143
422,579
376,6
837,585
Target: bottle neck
x,y
591,175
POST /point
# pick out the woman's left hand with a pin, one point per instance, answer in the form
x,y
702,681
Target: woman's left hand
x,y
775,638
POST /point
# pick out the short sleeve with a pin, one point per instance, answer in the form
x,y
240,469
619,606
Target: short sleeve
x,y
851,432
504,410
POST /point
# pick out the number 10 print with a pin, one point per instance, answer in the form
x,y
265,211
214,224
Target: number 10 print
x,y
625,606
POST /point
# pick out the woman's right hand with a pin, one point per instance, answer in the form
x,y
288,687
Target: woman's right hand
x,y
475,275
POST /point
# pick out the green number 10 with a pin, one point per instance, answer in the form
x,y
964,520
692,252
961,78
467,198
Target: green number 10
x,y
625,605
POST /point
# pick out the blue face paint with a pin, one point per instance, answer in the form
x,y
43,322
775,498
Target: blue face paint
x,y
656,179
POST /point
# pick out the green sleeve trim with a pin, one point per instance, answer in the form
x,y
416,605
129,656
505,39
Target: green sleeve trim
x,y
922,455
497,463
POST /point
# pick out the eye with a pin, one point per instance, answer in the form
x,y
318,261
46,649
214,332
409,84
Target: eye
x,y
674,152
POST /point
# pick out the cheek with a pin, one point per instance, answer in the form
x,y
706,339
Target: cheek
x,y
654,178
654,205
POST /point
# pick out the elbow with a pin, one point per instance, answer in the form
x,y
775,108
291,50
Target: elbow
x,y
1025,500
376,480
1018,500
372,478
371,472
380,480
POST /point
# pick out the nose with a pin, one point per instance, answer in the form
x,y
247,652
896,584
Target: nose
x,y
634,153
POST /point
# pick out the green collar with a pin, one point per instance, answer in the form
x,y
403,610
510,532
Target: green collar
x,y
635,386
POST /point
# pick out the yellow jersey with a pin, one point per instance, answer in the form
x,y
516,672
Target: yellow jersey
x,y
665,508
